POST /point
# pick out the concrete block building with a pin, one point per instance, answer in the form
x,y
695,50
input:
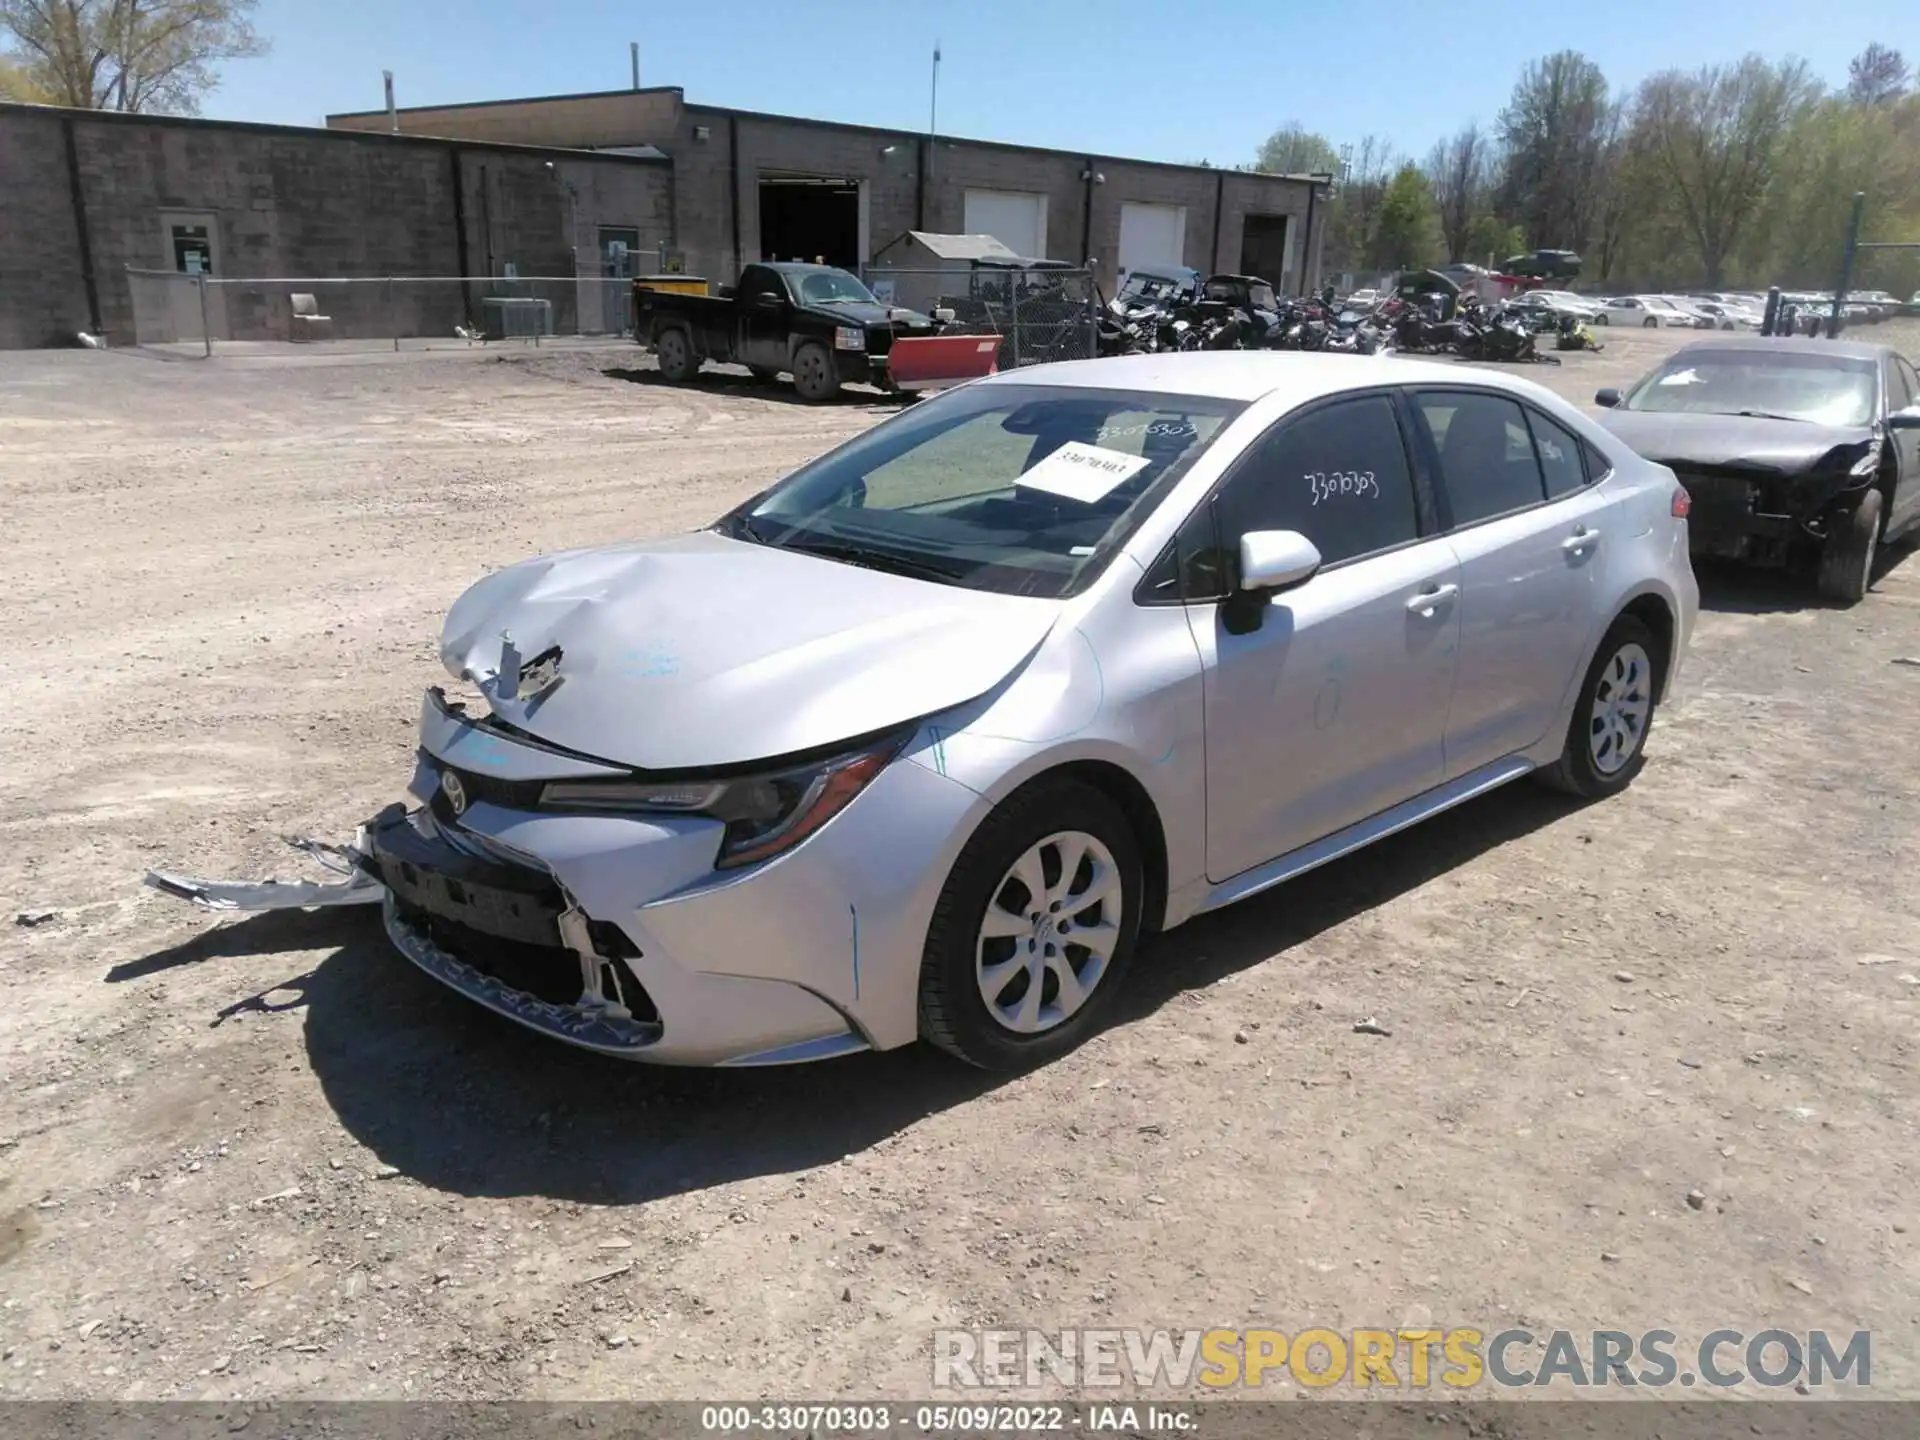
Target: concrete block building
x,y
750,186
599,185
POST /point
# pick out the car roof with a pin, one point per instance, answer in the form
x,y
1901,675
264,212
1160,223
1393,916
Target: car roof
x,y
1796,345
1248,375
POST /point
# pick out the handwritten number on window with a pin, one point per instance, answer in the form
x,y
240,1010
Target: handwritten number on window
x,y
1342,484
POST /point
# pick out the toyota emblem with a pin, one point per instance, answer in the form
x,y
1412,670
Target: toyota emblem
x,y
455,792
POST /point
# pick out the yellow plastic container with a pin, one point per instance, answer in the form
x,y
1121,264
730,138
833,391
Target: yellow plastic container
x,y
672,284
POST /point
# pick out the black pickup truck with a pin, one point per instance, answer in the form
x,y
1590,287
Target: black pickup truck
x,y
813,322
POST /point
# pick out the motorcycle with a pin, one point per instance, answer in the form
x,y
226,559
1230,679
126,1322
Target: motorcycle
x,y
1573,335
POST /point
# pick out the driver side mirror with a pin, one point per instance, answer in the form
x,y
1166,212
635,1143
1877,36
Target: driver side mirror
x,y
1607,398
1907,419
767,300
1276,559
1270,560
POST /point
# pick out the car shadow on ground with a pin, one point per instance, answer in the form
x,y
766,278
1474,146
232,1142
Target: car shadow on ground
x,y
1729,588
467,1102
740,385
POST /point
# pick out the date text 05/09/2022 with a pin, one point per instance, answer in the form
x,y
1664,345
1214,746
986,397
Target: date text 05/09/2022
x,y
961,1419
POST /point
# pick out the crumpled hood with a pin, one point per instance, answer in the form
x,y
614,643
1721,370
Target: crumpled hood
x,y
701,651
1782,446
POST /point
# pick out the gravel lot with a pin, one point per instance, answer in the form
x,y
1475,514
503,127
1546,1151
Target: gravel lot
x,y
268,1158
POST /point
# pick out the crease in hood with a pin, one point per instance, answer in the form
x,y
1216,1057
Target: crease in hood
x,y
701,651
1738,441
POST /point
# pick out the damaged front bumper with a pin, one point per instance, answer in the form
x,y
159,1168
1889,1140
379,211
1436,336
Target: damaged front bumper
x,y
613,932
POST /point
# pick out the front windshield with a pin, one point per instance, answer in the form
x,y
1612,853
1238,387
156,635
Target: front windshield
x,y
1819,389
832,287
1020,489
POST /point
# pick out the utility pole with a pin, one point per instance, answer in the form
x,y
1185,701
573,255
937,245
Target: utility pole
x,y
933,106
633,49
393,115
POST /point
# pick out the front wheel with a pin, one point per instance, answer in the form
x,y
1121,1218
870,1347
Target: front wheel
x,y
1034,931
1846,560
677,362
1650,323
1601,320
813,374
1606,741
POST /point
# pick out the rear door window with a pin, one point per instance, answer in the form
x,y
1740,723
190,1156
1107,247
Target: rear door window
x,y
1559,455
1488,466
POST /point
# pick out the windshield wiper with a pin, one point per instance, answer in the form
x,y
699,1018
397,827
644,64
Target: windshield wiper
x,y
1768,415
870,558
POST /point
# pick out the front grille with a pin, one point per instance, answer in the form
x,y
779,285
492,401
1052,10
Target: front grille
x,y
512,794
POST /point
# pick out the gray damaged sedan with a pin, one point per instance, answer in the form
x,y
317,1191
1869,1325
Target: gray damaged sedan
x,y
921,741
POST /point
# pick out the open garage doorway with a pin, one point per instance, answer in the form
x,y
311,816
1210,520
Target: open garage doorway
x,y
811,217
1263,250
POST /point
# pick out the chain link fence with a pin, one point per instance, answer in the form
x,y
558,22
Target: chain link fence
x,y
1042,313
207,315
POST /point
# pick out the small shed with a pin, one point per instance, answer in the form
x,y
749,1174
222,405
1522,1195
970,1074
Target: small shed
x,y
918,267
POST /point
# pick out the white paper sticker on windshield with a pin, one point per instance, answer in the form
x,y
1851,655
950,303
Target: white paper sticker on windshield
x,y
1082,472
1682,377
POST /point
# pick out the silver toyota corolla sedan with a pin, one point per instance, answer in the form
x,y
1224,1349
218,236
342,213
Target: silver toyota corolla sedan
x,y
919,742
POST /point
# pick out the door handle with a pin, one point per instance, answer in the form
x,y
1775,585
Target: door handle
x,y
1427,601
1581,541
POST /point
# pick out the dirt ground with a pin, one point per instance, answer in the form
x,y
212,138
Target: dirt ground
x,y
268,1158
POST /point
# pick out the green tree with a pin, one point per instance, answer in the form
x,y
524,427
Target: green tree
x,y
1295,150
1554,131
134,55
16,83
1458,169
1717,139
1490,239
1406,233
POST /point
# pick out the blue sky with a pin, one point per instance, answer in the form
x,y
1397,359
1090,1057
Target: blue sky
x,y
1166,80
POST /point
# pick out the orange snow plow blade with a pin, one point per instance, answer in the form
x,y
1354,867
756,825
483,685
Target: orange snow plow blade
x,y
930,361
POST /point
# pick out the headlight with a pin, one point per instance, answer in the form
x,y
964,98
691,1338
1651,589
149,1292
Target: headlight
x,y
765,814
849,337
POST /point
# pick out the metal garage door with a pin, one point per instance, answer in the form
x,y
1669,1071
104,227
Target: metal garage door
x,y
1017,219
1152,235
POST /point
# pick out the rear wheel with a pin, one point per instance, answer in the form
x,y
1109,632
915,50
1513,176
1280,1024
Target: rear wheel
x,y
1034,930
1600,320
1650,323
677,361
1846,560
813,373
1606,740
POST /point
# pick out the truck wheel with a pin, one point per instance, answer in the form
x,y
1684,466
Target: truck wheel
x,y
677,362
813,374
1846,560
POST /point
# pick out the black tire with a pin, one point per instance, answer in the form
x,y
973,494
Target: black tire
x,y
1650,323
674,351
1846,560
1576,771
813,374
953,1014
1601,320
763,373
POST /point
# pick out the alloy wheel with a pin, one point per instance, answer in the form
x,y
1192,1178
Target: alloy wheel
x,y
1049,932
1622,702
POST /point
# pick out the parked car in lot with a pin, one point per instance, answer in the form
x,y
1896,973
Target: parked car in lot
x,y
1644,310
1792,449
815,322
1543,264
1727,315
922,739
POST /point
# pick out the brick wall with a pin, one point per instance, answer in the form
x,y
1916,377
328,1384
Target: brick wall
x,y
293,203
43,300
619,117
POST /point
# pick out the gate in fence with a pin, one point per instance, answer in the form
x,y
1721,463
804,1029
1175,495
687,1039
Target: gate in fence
x,y
203,315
